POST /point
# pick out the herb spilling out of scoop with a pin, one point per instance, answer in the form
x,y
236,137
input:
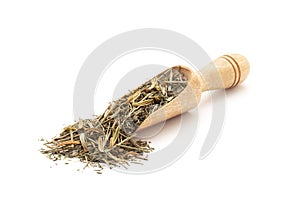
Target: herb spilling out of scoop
x,y
110,138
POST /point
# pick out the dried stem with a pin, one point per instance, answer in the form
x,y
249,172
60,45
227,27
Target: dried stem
x,y
108,138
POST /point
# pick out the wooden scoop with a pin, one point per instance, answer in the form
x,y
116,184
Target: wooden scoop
x,y
225,72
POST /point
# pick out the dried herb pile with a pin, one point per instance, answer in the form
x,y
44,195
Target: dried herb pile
x,y
109,139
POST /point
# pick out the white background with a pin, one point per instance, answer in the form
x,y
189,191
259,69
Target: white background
x,y
43,45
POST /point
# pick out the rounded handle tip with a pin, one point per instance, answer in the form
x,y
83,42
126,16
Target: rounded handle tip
x,y
240,65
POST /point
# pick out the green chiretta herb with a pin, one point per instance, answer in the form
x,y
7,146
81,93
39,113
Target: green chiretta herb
x,y
109,139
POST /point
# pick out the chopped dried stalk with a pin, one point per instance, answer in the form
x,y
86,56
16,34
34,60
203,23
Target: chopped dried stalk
x,y
109,138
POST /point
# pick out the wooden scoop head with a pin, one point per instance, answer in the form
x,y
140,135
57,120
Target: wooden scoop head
x,y
225,72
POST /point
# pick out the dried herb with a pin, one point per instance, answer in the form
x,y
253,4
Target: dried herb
x,y
110,138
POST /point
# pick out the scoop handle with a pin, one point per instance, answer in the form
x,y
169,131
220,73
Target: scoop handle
x,y
227,71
